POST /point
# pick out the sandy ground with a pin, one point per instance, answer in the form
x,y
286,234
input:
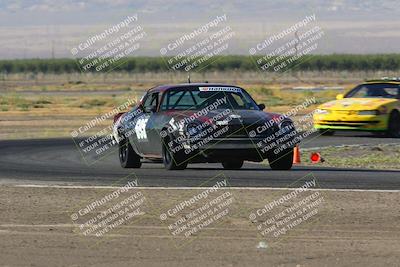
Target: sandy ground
x,y
350,229
370,156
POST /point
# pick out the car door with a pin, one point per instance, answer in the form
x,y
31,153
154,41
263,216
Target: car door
x,y
398,98
160,117
129,129
156,122
140,136
146,128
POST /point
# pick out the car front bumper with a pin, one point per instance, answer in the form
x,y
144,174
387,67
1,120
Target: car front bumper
x,y
225,143
254,145
353,123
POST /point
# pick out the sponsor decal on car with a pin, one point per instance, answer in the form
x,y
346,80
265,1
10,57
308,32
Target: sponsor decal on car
x,y
140,128
220,89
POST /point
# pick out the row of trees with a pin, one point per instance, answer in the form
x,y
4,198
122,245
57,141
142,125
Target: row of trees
x,y
335,62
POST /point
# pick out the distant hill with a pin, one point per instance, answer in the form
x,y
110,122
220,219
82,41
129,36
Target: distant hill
x,y
44,28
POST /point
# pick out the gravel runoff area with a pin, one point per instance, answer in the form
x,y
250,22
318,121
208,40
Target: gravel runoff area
x,y
53,226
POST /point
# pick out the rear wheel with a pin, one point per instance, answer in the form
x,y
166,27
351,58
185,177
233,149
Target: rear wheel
x,y
282,161
232,164
394,125
127,156
326,132
379,134
171,160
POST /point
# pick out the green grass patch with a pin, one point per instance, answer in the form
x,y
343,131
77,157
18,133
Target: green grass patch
x,y
370,157
93,103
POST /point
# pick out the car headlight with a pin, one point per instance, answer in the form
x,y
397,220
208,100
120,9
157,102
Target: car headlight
x,y
193,129
321,111
382,110
368,112
286,126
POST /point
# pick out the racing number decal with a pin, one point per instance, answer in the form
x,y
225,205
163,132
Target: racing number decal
x,y
140,128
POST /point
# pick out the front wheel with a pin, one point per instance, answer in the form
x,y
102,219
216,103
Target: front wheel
x,y
394,125
172,161
282,161
232,164
326,132
127,156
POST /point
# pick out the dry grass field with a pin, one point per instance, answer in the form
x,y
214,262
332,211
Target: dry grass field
x,y
42,106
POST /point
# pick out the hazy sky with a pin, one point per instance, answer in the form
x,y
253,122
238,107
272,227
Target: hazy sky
x,y
46,28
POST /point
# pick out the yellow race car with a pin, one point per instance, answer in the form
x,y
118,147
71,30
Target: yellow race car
x,y
373,106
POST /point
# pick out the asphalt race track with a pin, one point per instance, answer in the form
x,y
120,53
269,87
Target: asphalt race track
x,y
57,161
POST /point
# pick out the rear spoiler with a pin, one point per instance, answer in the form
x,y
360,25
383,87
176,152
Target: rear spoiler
x,y
117,116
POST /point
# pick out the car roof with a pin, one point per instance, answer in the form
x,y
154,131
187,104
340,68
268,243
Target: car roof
x,y
163,88
384,80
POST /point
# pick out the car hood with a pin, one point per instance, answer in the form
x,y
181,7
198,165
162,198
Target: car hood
x,y
246,117
356,103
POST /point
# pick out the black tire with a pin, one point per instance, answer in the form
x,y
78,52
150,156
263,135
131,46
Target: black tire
x,y
325,132
232,164
394,125
283,161
173,161
127,156
379,134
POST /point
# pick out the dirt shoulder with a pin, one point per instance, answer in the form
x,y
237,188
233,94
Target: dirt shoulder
x,y
350,228
384,156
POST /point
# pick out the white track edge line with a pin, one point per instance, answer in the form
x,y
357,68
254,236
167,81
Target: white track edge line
x,y
204,188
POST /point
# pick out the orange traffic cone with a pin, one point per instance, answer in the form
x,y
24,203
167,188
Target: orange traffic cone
x,y
296,155
316,158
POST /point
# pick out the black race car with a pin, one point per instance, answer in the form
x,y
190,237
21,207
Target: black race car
x,y
202,122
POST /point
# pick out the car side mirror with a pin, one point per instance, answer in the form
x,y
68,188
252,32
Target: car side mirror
x,y
141,107
153,109
261,106
339,96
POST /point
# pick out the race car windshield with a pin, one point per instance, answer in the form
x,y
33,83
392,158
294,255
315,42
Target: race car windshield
x,y
198,98
375,91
